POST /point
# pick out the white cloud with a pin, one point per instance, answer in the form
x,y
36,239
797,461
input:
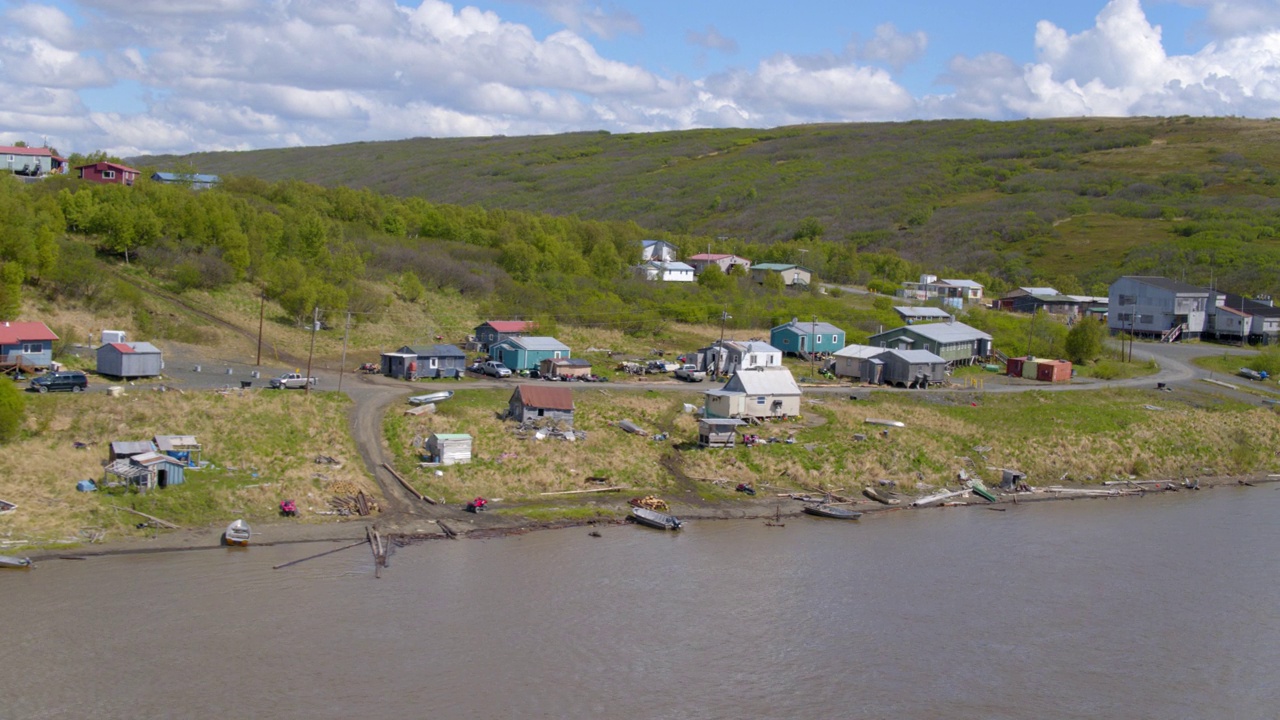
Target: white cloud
x,y
582,15
1234,18
893,48
711,40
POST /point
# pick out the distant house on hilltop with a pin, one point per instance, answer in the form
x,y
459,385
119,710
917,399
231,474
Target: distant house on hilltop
x,y
726,263
108,172
194,180
31,162
658,250
791,274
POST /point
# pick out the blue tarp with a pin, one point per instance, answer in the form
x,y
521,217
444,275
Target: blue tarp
x,y
86,486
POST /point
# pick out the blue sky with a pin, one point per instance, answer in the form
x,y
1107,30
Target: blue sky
x,y
154,76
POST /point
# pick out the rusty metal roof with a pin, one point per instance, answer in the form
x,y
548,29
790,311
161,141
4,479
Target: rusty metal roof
x,y
546,398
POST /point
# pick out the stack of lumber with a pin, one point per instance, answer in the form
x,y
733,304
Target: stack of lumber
x,y
347,499
651,502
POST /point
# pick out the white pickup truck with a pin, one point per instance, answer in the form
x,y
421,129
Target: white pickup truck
x,y
690,373
292,380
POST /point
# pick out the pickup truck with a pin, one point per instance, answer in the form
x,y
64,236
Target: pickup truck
x,y
690,373
292,380
493,368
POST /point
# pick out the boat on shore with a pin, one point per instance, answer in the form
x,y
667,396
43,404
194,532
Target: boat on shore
x,y
655,519
936,498
832,511
14,563
880,496
237,533
431,398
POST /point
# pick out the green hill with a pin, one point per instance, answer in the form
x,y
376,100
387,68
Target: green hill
x,y
1075,201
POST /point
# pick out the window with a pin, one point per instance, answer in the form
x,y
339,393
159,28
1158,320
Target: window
x,y
1146,319
834,340
1126,300
557,355
760,400
109,174
32,348
432,362
1125,317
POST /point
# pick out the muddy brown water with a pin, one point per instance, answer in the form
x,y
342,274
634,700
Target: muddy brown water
x,y
1157,607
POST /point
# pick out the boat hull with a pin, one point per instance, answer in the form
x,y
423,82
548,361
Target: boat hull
x,y
655,519
835,513
237,534
14,563
431,398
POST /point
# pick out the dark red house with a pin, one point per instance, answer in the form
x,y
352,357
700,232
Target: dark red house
x,y
108,172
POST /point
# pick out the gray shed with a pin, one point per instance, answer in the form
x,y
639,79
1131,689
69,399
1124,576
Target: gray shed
x,y
130,360
539,402
448,448
412,362
718,432
911,368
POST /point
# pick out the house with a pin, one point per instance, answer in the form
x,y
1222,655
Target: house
x,y
130,360
562,368
666,271
1255,321
491,331
849,360
1149,306
718,432
31,162
147,471
726,263
911,315
798,337
125,449
953,341
791,274
1006,301
730,356
527,353
952,292
541,402
26,346
193,180
413,362
760,393
108,172
905,368
1031,300
183,448
448,448
658,250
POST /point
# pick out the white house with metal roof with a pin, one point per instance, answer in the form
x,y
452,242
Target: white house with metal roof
x,y
666,271
730,356
912,314
760,393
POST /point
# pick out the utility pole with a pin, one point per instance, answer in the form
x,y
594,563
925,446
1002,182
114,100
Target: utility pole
x,y
342,368
724,315
262,313
813,344
315,323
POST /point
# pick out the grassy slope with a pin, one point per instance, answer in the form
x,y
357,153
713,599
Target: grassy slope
x,y
758,184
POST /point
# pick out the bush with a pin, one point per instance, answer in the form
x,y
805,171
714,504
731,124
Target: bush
x,y
12,408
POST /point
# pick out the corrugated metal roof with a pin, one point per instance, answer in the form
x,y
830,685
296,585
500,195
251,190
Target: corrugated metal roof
x,y
1167,284
779,267
948,332
153,458
538,343
510,326
167,443
12,333
809,328
436,350
144,347
767,381
570,362
131,447
962,283
451,436
547,398
730,422
858,351
915,357
922,312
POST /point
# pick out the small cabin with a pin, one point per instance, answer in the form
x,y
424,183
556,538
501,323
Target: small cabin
x,y
147,471
448,448
541,402
718,432
563,368
130,360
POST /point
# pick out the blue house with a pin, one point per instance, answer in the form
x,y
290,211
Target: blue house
x,y
26,345
527,353
194,180
806,337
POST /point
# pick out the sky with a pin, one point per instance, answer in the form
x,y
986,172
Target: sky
x,y
134,77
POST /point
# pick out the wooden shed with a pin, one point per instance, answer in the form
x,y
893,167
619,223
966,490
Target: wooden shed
x,y
130,360
912,368
718,432
564,368
448,448
148,471
183,448
125,449
541,402
1053,371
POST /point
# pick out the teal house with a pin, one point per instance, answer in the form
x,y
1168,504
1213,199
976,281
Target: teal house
x,y
527,353
806,337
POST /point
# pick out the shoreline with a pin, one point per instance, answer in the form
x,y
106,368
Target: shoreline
x,y
406,528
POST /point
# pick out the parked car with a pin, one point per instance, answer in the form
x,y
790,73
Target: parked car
x,y
292,380
72,380
493,368
690,373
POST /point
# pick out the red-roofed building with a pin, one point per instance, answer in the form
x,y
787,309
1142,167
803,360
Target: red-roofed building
x,y
541,402
130,360
701,261
492,331
31,162
26,345
108,172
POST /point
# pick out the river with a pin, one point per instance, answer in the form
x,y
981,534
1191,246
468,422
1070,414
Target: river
x,y
1164,607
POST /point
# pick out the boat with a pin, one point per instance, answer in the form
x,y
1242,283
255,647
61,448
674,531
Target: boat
x,y
832,511
237,533
938,497
880,496
980,489
8,561
431,398
6,506
655,519
886,423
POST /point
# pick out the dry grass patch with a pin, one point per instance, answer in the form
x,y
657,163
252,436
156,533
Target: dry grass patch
x,y
261,445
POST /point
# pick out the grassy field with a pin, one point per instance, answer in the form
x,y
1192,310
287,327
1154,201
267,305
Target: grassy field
x,y
261,446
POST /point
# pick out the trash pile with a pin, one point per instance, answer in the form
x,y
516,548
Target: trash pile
x,y
348,499
650,502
